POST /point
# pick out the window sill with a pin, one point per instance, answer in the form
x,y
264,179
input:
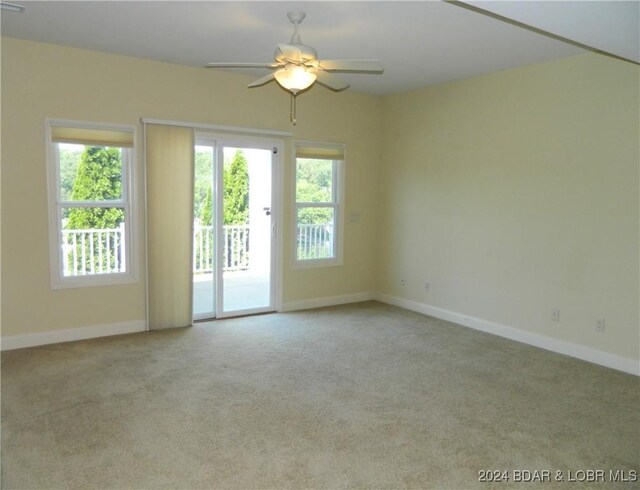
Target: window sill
x,y
316,263
93,280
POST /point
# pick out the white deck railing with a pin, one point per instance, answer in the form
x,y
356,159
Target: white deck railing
x,y
101,251
236,248
93,251
315,241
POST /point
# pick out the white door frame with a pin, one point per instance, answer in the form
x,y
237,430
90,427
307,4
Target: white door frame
x,y
276,146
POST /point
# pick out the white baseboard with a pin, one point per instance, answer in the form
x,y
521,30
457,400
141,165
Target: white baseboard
x,y
584,353
11,342
307,304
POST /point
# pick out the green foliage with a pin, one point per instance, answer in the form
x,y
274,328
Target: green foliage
x,y
236,190
203,185
98,178
314,185
69,161
314,180
206,208
315,216
235,174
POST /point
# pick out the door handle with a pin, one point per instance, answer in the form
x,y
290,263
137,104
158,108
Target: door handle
x,y
267,211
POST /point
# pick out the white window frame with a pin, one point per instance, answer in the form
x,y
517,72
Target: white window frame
x,y
337,205
56,204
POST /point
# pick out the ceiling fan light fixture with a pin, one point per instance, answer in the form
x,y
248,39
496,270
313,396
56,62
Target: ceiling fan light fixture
x,y
298,67
295,78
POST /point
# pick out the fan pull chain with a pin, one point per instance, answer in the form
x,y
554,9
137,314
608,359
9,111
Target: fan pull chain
x,y
292,112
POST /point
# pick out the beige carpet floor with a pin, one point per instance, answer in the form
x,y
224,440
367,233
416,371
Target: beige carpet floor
x,y
358,396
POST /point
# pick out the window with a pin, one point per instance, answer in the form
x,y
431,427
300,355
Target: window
x,y
318,207
90,215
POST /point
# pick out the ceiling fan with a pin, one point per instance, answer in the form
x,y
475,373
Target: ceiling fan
x,y
297,67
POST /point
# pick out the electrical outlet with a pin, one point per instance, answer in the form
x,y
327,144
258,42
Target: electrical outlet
x,y
403,282
600,325
555,315
427,286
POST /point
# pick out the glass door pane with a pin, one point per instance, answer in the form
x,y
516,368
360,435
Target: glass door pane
x,y
245,246
203,234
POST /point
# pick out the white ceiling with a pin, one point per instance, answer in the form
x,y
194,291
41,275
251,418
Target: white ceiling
x,y
419,42
613,27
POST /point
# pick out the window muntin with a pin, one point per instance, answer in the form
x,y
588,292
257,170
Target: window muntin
x,y
317,206
90,169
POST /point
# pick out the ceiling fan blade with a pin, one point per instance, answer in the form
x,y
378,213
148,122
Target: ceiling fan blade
x,y
262,81
289,52
243,65
331,81
356,66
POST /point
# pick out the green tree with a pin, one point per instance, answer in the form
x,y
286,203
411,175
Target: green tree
x,y
69,161
314,184
203,181
314,177
236,190
206,207
98,178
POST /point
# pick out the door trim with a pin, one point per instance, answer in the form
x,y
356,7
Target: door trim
x,y
221,130
219,142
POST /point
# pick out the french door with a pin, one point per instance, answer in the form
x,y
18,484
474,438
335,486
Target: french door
x,y
234,226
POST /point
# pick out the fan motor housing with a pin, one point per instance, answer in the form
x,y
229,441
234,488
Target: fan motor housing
x,y
307,53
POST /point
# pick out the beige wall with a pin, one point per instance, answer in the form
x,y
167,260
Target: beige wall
x,y
513,194
517,193
41,80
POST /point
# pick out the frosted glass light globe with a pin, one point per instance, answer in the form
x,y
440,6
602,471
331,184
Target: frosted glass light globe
x,y
295,78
